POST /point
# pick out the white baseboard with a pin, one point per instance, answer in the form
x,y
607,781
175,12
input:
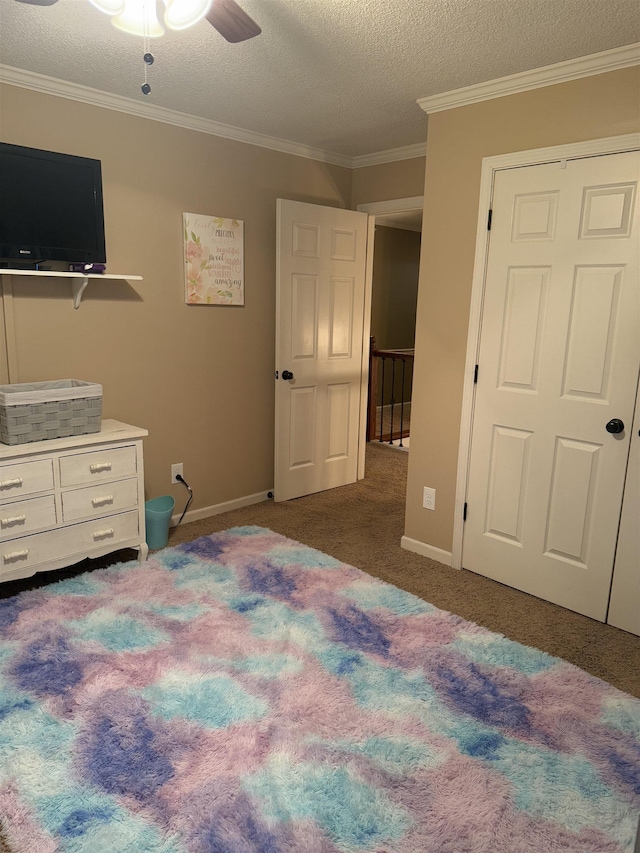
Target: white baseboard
x,y
218,509
426,550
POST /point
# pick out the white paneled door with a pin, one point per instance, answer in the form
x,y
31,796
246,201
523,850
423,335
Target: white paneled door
x,y
320,297
558,370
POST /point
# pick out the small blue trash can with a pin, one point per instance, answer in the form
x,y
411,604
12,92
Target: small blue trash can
x,y
157,514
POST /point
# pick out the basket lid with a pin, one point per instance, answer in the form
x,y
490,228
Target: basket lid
x,y
32,393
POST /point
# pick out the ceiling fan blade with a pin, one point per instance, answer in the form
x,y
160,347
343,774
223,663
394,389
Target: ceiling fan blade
x,y
231,21
38,2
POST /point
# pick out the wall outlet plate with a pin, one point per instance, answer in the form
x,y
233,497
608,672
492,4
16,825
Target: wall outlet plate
x,y
429,498
176,469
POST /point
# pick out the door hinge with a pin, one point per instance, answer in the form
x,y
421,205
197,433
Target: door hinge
x,y
475,375
464,512
489,218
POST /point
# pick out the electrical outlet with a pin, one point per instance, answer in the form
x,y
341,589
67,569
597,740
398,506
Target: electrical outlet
x,y
429,498
176,469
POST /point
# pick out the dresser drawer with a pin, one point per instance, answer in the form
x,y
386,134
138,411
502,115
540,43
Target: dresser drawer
x,y
20,517
79,469
93,501
77,539
26,478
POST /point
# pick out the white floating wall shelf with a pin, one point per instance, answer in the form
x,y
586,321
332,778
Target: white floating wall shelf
x,y
79,280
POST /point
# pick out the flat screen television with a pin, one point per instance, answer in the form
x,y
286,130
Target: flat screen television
x,y
50,207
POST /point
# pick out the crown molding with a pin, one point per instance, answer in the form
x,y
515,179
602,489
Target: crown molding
x,y
561,72
98,98
106,100
392,155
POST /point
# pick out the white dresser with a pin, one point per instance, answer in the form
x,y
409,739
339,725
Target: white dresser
x,y
69,498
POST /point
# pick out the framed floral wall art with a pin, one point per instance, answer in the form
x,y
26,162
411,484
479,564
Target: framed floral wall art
x,y
213,260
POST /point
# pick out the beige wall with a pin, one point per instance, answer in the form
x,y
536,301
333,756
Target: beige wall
x,y
401,179
594,107
199,378
394,293
396,260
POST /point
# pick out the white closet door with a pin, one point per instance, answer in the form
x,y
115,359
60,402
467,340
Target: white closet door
x,y
559,359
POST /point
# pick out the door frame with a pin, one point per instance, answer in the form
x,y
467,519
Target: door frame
x,y
374,209
490,165
366,333
394,205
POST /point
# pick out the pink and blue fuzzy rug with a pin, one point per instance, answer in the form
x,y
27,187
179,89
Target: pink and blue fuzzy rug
x,y
246,694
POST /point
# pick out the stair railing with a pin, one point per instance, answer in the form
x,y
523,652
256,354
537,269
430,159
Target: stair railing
x,y
391,371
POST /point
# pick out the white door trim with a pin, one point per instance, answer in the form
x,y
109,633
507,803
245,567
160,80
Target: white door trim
x,y
395,205
533,157
366,346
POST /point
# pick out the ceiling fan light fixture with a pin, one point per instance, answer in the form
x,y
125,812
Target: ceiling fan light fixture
x,y
181,14
139,18
109,7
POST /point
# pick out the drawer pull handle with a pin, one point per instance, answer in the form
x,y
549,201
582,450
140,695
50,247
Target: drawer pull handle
x,y
14,519
7,484
104,534
100,466
105,499
16,555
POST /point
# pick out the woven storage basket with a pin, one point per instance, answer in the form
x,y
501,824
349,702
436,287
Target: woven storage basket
x,y
36,411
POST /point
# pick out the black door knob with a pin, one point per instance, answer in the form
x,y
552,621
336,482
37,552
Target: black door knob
x,y
287,374
615,425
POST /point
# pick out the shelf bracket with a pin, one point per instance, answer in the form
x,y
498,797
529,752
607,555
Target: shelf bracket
x,y
78,287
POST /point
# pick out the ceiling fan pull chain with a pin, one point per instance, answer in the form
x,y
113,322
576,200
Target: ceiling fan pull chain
x,y
147,56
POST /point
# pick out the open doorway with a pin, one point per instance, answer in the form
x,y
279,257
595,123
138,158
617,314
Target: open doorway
x,y
396,261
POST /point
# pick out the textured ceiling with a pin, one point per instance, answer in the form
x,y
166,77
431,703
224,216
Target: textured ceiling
x,y
339,75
